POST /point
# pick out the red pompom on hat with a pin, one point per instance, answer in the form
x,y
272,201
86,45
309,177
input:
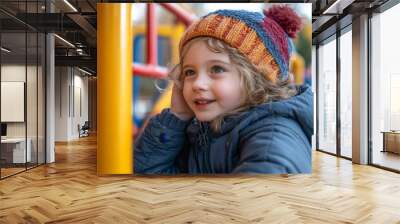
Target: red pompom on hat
x,y
286,17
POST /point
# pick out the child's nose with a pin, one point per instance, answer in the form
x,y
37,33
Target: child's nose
x,y
201,82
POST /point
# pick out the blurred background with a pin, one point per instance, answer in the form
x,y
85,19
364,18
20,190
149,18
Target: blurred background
x,y
152,95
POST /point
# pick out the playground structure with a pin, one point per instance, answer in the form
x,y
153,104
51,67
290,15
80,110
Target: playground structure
x,y
167,53
115,72
154,53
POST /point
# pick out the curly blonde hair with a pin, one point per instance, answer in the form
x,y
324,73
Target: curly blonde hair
x,y
257,88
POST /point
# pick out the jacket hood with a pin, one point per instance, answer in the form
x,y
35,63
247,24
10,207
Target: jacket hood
x,y
299,107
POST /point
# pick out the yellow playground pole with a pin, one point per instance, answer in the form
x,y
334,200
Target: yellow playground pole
x,y
114,85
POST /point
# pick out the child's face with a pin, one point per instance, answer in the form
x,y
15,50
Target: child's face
x,y
211,82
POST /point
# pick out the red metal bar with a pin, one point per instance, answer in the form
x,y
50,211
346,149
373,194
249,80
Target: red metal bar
x,y
151,34
181,14
152,70
149,71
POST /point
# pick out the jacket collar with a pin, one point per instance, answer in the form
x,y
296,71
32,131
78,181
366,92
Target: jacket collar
x,y
299,107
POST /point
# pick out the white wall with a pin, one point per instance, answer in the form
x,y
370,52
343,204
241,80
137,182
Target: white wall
x,y
71,94
62,78
81,100
13,73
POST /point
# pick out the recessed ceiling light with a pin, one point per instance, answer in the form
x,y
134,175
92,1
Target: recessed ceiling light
x,y
84,71
65,41
5,50
337,6
70,5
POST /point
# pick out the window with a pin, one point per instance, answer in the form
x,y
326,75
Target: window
x,y
327,97
385,86
346,94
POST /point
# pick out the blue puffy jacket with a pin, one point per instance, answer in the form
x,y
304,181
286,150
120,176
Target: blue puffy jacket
x,y
270,138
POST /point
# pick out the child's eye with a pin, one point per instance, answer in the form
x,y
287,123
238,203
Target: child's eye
x,y
217,69
188,72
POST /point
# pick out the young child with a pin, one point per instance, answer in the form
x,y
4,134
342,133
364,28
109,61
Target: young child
x,y
233,108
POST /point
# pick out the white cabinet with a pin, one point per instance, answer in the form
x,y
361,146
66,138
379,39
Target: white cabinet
x,y
18,149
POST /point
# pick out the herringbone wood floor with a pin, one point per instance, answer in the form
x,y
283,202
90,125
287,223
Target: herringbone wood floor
x,y
69,191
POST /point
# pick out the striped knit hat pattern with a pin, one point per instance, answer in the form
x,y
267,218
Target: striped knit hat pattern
x,y
264,39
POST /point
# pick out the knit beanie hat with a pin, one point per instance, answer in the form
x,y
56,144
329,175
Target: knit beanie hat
x,y
265,40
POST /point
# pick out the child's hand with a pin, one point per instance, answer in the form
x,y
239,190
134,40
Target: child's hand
x,y
179,106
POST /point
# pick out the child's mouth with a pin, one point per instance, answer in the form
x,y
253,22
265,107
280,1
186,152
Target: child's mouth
x,y
202,103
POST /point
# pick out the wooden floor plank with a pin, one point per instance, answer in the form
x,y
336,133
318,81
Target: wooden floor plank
x,y
69,191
